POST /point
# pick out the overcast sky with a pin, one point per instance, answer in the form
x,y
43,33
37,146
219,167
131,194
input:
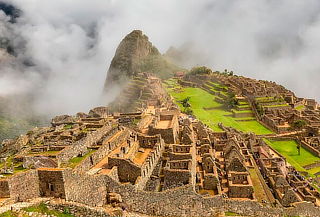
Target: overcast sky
x,y
71,43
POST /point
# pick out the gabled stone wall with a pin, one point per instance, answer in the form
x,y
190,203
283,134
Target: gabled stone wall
x,y
51,183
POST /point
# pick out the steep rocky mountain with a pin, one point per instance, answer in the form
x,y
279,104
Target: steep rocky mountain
x,y
136,54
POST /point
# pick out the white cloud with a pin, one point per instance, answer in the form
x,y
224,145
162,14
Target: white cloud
x,y
71,42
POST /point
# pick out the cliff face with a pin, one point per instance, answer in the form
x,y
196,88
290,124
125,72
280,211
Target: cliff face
x,y
134,48
136,54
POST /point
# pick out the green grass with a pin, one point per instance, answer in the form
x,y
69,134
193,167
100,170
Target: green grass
x,y
231,214
257,186
274,106
42,208
67,126
245,119
265,99
289,150
214,84
73,162
241,111
300,107
9,214
200,99
19,169
243,103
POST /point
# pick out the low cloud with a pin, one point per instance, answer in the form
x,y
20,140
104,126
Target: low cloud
x,y
64,47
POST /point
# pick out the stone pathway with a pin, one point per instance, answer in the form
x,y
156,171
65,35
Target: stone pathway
x,y
21,205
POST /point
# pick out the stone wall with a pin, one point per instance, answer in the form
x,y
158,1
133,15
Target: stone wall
x,y
77,209
127,171
4,189
309,148
86,189
184,201
24,186
101,153
242,114
168,135
240,191
175,178
150,164
181,201
114,174
51,183
210,182
80,147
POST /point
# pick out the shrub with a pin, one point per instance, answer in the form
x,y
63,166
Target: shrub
x,y
298,124
201,70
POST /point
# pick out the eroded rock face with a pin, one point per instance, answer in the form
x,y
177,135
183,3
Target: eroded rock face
x,y
99,112
62,119
132,50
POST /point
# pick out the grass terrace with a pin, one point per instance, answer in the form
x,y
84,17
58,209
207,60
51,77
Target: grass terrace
x,y
300,107
73,162
274,106
241,111
265,99
215,113
243,103
289,150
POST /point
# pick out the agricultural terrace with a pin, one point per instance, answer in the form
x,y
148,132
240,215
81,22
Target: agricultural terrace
x,y
289,150
201,100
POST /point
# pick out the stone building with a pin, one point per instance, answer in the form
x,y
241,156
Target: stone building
x,y
166,124
51,181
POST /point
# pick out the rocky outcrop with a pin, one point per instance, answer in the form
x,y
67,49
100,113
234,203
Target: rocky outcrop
x,y
132,50
134,55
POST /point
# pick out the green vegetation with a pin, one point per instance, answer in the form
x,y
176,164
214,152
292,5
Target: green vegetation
x,y
231,101
67,126
300,107
241,111
9,214
200,99
231,214
157,64
42,208
257,186
200,70
12,127
274,106
73,162
185,102
289,150
299,124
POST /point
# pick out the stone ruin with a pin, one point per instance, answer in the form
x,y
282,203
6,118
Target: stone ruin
x,y
156,161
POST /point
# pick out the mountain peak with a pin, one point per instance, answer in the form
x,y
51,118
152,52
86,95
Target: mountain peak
x,y
131,51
